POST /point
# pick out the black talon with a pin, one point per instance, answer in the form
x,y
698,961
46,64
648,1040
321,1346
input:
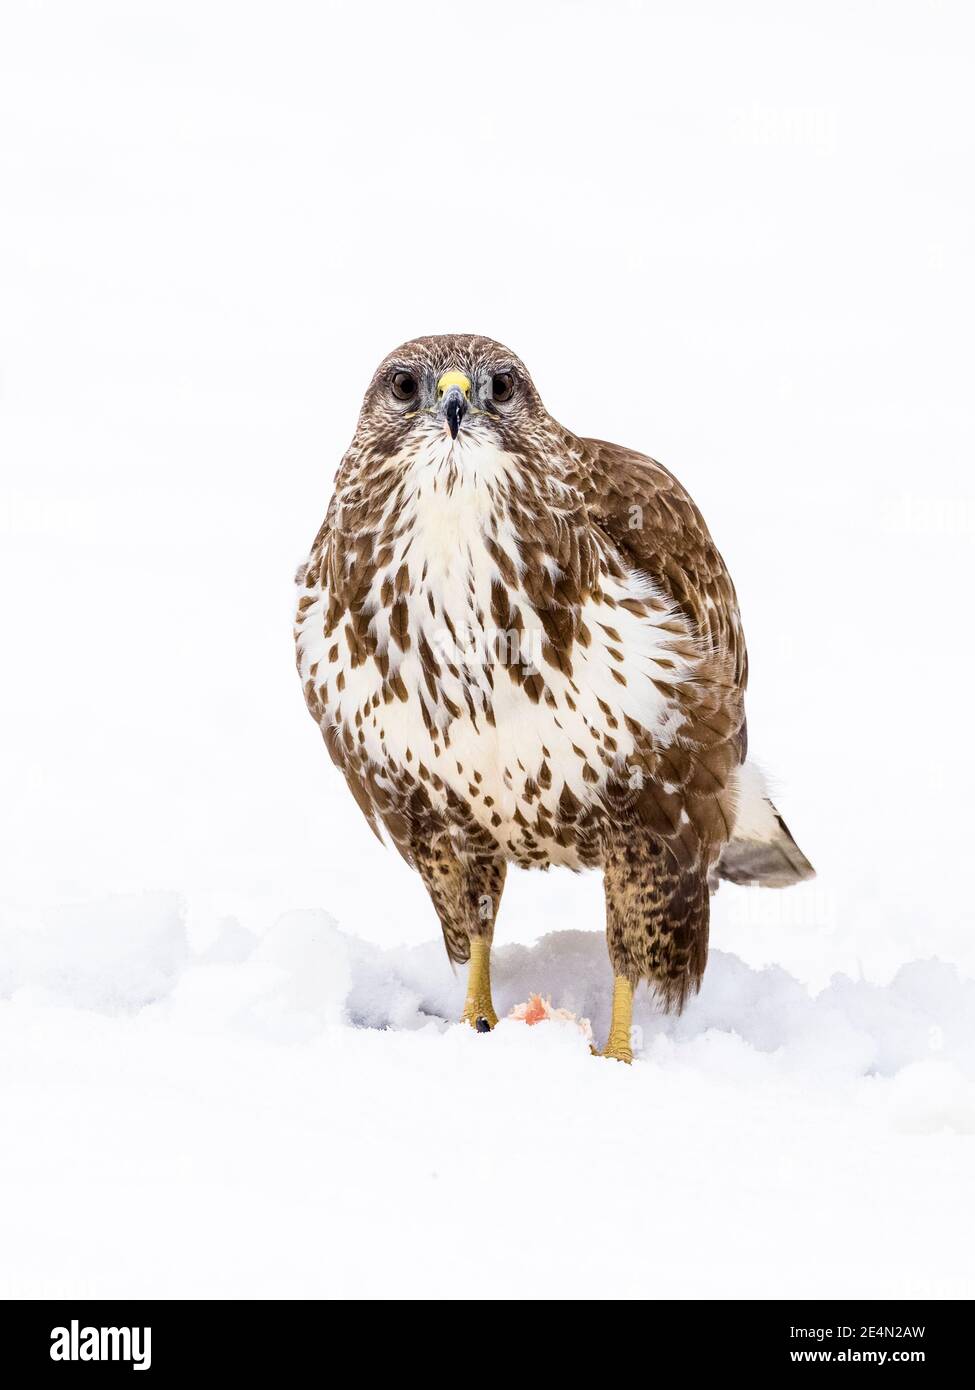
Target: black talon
x,y
482,1025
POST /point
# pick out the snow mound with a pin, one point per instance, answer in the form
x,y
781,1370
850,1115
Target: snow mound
x,y
306,975
112,956
296,1114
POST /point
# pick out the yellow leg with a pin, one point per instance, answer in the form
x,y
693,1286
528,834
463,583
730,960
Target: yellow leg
x,y
479,1010
618,1042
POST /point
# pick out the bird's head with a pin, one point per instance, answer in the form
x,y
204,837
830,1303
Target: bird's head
x,y
447,391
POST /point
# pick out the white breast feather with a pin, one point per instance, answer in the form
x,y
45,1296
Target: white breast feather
x,y
447,530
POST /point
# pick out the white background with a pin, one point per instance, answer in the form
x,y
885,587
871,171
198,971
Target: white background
x,y
736,237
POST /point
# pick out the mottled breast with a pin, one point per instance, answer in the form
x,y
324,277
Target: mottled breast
x,y
449,677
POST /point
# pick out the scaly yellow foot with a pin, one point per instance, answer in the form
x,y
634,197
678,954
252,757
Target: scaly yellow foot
x,y
478,1008
618,1042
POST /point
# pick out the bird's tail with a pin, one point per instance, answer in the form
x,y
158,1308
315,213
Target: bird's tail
x,y
761,850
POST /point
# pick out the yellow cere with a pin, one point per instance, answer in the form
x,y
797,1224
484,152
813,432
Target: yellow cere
x,y
453,379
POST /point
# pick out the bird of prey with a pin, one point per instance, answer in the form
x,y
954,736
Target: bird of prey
x,y
522,646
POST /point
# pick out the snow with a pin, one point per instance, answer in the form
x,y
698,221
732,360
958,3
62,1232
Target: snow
x,y
743,245
296,1115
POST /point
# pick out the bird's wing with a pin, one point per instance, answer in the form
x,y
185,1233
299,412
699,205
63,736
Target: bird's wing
x,y
655,528
653,521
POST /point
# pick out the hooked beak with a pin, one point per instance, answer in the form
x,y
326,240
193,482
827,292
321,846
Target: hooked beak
x,y
453,391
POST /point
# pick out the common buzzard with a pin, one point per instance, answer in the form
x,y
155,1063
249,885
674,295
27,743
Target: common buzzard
x,y
522,646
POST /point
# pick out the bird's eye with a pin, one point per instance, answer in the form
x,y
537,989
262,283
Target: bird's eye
x,y
503,386
404,386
